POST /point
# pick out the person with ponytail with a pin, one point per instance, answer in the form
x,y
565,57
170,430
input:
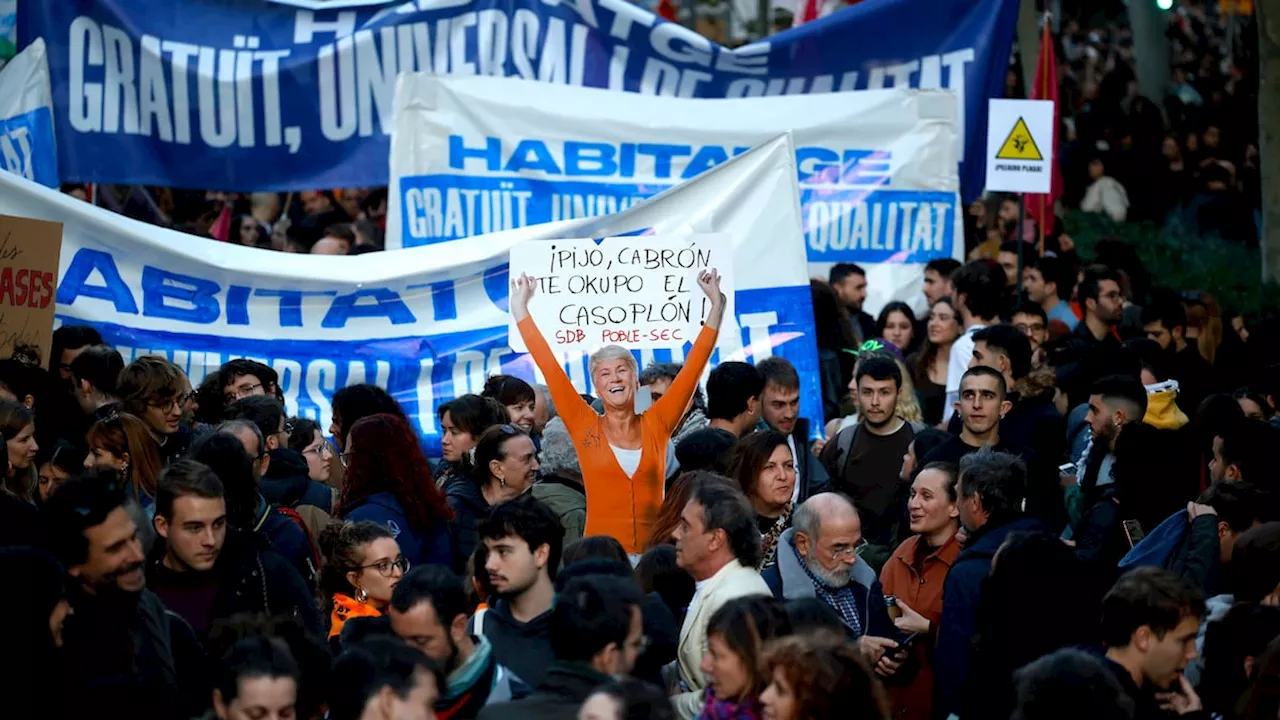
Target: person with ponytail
x,y
362,564
462,420
502,465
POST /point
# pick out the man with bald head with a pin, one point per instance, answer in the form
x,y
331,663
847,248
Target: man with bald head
x,y
818,558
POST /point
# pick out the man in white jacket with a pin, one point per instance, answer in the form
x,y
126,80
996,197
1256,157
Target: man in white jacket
x,y
1105,194
718,543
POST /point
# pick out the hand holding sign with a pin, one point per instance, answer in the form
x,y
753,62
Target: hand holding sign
x,y
521,291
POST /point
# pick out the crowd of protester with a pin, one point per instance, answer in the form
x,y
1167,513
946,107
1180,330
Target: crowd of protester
x,y
1054,493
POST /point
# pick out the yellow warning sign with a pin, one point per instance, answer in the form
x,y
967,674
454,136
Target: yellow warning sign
x,y
1019,145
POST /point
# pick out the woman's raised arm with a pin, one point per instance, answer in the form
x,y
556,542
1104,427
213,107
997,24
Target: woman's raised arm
x,y
569,404
672,405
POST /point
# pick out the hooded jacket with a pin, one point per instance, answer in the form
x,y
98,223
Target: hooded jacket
x,y
523,647
288,538
568,500
789,581
288,483
960,597
469,509
420,546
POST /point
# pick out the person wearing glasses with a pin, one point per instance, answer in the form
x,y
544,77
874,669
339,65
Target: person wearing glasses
x,y
205,569
818,557
362,565
242,378
155,391
623,454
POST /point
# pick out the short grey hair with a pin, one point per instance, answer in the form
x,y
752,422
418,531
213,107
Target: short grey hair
x,y
611,352
233,427
807,518
546,400
558,455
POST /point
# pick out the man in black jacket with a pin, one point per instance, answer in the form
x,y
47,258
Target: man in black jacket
x,y
121,649
204,571
285,481
1149,625
780,410
596,634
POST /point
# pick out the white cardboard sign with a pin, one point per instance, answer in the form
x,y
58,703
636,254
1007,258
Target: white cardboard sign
x,y
1020,146
637,291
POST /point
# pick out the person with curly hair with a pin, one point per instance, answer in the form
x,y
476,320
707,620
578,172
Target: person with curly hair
x,y
389,482
821,677
362,564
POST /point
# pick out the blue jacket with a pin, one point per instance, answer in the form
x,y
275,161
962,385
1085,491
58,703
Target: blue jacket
x,y
421,546
788,581
960,596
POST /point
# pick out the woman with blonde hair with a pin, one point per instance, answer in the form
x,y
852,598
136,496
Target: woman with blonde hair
x,y
623,453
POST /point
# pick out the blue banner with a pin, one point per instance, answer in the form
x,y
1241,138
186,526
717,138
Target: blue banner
x,y
247,95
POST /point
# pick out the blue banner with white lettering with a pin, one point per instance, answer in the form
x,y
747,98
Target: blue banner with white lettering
x,y
27,146
248,95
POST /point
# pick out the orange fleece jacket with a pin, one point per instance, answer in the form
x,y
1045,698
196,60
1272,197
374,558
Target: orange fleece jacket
x,y
620,506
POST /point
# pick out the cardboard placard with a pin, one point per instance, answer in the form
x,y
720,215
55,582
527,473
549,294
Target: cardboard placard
x,y
640,292
29,251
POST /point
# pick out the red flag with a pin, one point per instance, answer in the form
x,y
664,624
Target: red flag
x,y
667,10
1040,207
807,11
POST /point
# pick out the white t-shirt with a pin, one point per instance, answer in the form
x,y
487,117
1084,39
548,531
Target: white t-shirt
x,y
628,459
961,354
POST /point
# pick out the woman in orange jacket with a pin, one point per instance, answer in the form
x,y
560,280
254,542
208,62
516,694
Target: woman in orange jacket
x,y
915,574
623,454
362,564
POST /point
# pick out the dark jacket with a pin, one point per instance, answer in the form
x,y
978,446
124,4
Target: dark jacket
x,y
19,522
175,445
469,508
250,578
523,647
664,639
1100,536
788,581
1146,705
558,697
288,484
289,539
1198,558
1035,430
811,476
960,596
1086,360
1193,374
126,653
421,546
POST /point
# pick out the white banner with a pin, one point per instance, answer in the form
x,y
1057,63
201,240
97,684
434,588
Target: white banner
x,y
26,117
427,325
877,170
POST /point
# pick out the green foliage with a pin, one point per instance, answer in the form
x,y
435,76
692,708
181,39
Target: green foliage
x,y
1182,260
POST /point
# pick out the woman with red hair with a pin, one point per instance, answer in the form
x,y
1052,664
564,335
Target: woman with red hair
x,y
389,482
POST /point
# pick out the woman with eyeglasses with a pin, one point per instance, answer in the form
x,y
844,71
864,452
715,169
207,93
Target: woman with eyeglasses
x,y
929,366
122,443
623,454
766,473
389,482
502,466
18,426
308,441
362,564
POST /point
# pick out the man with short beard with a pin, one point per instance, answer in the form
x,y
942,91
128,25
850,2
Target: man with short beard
x,y
818,558
524,539
122,651
864,460
429,612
